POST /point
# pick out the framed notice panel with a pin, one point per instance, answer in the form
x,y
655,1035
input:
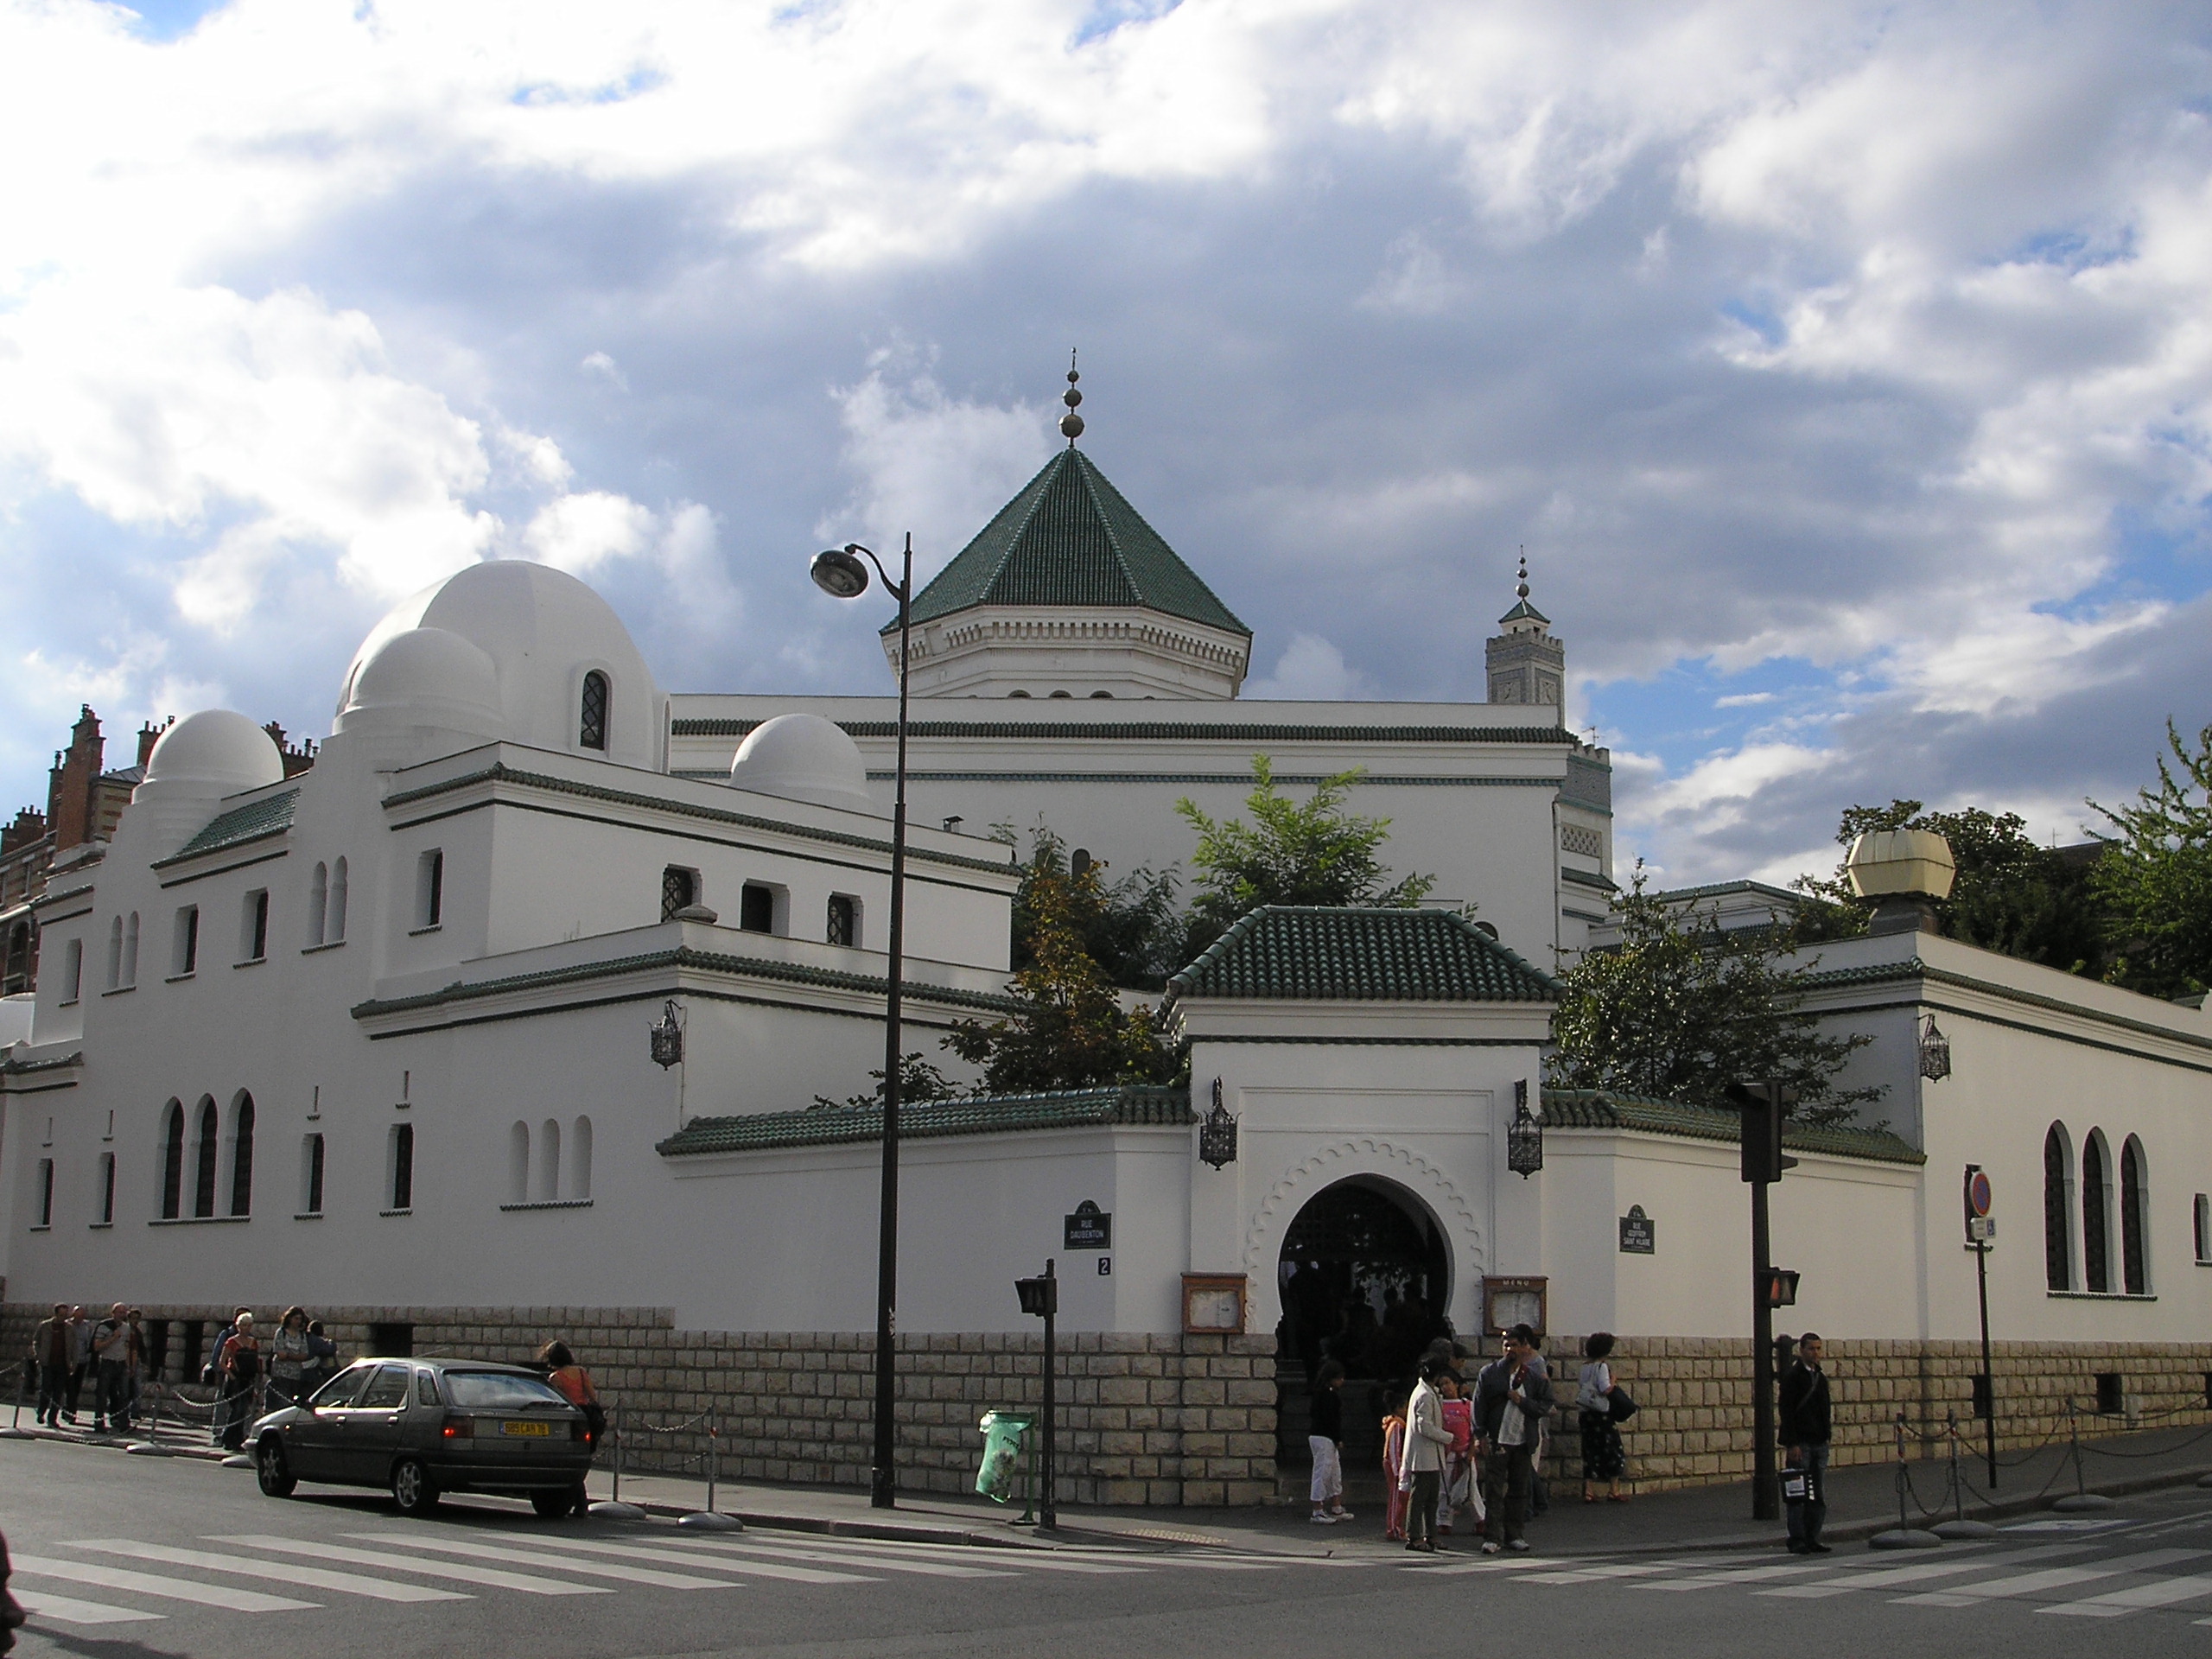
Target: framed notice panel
x,y
1509,1302
1213,1304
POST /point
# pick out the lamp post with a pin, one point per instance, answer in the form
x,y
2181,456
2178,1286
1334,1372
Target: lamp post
x,y
839,573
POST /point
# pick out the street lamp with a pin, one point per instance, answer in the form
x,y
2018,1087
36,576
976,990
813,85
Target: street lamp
x,y
839,573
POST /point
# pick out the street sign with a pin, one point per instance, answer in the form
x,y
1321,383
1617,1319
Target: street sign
x,y
1089,1229
1977,1194
1981,1229
1639,1233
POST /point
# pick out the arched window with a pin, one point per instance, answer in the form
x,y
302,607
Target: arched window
x,y
242,1155
400,1187
519,1163
115,954
580,1159
318,904
2134,1240
203,1183
2096,1212
131,950
549,1161
591,723
172,1161
333,930
2058,1209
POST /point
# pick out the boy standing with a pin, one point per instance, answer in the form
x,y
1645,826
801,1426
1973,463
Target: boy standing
x,y
1326,1436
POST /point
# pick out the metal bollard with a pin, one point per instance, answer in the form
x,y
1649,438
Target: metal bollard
x,y
1959,1526
1904,1535
2081,1497
14,1431
710,1519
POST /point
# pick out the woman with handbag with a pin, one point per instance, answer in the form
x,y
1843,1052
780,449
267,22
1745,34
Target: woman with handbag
x,y
1602,1456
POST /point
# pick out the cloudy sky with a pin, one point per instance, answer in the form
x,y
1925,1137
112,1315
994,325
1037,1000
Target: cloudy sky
x,y
1846,369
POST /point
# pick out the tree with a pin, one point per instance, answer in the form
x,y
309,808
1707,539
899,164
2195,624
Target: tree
x,y
919,1080
1130,928
1681,1008
1314,854
1071,1031
2010,894
2155,879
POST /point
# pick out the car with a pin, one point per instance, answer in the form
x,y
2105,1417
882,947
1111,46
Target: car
x,y
423,1427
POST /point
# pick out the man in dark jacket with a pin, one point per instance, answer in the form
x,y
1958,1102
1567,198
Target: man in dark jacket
x,y
1806,1429
1512,1425
51,1346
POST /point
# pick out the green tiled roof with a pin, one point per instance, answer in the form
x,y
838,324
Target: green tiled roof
x,y
269,816
1070,538
1522,611
827,1126
1596,1109
1162,731
1353,955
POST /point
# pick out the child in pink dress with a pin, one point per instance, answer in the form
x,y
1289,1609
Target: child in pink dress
x,y
1394,1456
1460,1423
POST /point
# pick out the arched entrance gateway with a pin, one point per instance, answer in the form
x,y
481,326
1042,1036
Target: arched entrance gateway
x,y
1364,1275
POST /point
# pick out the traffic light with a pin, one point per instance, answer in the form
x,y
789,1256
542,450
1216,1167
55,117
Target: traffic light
x,y
1763,1106
1780,1287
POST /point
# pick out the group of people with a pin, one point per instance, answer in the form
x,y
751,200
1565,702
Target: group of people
x,y
274,1368
73,1349
1450,1446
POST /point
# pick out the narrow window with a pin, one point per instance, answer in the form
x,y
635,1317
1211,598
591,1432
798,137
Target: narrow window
x,y
18,975
2097,1234
131,950
2203,1211
430,889
549,1161
580,1159
45,1192
115,954
2057,1210
2134,1244
756,908
72,972
242,1156
679,890
334,929
184,948
591,726
172,1161
203,1184
402,1167
519,1163
311,1175
318,904
254,931
844,919
107,1189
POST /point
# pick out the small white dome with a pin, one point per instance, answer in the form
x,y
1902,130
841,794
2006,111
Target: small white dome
x,y
216,747
1883,861
426,677
803,758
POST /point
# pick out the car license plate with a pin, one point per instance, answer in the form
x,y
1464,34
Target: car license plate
x,y
535,1431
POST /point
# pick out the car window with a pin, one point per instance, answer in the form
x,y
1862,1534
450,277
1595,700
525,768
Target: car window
x,y
388,1390
499,1391
341,1388
426,1388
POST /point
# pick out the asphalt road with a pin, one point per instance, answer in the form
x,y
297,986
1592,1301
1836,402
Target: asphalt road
x,y
132,1557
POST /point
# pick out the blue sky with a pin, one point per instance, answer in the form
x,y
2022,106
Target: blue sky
x,y
1845,369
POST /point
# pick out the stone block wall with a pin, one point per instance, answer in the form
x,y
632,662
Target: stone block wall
x,y
1152,1420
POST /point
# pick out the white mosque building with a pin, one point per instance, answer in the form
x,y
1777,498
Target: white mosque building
x,y
376,1037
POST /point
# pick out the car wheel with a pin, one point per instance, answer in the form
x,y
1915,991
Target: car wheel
x,y
273,1470
554,1505
412,1488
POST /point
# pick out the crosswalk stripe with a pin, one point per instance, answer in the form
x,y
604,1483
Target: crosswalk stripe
x,y
559,1562
2162,1593
2056,1578
1883,1577
878,1555
67,1610
488,1576
1591,1574
695,1555
309,1578
118,1578
1704,1581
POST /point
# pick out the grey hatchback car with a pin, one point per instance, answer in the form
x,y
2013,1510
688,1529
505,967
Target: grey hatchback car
x,y
422,1427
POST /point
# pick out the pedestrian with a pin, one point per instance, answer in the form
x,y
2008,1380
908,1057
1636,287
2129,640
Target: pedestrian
x,y
80,1359
1520,1402
1394,1467
288,1356
111,1355
1806,1429
135,1358
1603,1456
50,1344
574,1385
1426,1443
322,1361
1325,1437
238,1368
1459,1424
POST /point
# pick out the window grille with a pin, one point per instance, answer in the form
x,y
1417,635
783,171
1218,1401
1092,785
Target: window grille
x,y
679,890
591,728
844,920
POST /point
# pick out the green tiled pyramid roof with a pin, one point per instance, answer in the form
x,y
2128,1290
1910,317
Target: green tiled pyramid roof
x,y
1524,612
269,816
1074,1109
1350,954
1070,537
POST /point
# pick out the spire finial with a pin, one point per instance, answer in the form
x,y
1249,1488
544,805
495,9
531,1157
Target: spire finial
x,y
1071,423
1521,580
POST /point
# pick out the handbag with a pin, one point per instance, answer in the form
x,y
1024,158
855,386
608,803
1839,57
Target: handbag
x,y
1620,1406
1796,1486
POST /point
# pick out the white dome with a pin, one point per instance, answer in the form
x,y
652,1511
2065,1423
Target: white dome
x,y
216,748
426,677
545,632
803,758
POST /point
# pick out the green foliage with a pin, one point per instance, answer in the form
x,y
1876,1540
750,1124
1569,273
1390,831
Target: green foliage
x,y
1130,929
1291,854
919,1081
2010,895
1071,1031
2156,877
1682,1008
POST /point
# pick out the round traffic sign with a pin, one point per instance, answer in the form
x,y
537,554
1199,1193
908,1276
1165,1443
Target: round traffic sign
x,y
1978,1193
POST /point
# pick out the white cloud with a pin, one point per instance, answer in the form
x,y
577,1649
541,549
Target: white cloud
x,y
1311,669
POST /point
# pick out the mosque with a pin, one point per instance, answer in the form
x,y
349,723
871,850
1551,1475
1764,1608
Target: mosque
x,y
508,1013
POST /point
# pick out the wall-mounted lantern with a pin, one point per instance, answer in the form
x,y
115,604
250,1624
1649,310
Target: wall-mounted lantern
x,y
1218,1134
668,1038
1524,1136
1935,1052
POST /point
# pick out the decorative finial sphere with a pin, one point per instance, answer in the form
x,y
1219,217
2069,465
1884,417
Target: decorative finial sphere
x,y
1071,423
1071,426
1521,578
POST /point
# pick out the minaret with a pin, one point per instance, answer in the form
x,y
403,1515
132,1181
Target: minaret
x,y
1526,665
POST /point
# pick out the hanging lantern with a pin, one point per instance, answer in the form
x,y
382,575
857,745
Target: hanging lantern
x,y
1935,1052
1217,1133
668,1040
1524,1136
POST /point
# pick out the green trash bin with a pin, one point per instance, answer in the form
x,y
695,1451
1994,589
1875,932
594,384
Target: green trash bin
x,y
1003,1432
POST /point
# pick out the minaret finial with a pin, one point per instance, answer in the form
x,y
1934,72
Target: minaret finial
x,y
1071,423
1521,580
